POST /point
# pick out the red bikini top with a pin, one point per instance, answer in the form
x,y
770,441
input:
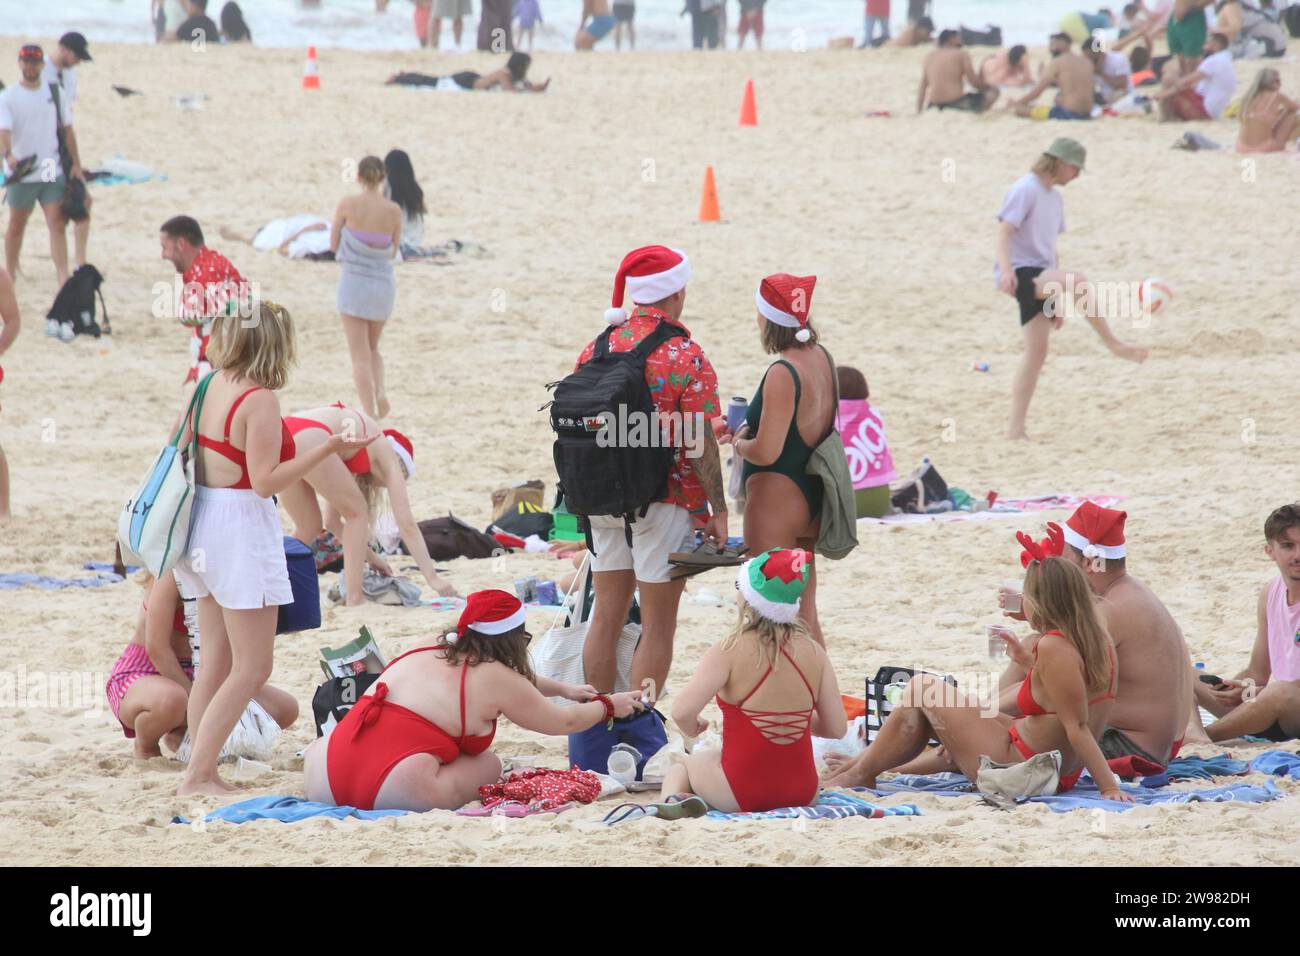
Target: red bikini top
x,y
288,448
1025,696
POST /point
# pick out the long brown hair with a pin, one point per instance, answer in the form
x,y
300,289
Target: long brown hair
x,y
1060,600
510,649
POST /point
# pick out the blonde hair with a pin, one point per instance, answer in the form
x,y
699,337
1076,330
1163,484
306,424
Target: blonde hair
x,y
1266,79
1046,165
371,170
259,348
1060,600
769,636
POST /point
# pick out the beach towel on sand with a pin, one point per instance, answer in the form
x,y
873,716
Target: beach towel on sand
x,y
1002,508
11,581
830,805
288,810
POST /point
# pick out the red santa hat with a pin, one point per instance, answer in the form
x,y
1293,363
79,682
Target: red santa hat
x,y
784,300
491,612
405,451
1096,531
647,275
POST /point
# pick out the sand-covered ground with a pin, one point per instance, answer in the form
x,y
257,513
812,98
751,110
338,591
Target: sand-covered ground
x,y
894,215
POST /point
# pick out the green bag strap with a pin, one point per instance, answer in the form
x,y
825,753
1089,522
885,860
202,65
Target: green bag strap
x,y
192,415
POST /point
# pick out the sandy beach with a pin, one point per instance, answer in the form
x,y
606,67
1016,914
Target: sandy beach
x,y
896,217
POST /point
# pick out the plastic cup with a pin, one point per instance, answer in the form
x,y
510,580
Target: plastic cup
x,y
997,646
1012,598
622,764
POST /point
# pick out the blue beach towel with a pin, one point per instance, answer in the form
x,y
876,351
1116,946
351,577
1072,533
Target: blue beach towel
x,y
1197,768
1277,762
830,805
289,810
1085,795
12,580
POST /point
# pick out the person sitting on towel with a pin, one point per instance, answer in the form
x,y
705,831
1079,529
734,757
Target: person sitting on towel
x,y
149,687
351,487
947,68
419,738
1066,698
1264,699
784,691
1145,729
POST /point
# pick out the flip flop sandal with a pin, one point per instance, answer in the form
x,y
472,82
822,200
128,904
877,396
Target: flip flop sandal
x,y
681,808
708,555
628,811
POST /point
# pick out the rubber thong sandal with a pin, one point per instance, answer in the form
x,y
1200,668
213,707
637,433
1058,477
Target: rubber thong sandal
x,y
705,557
628,811
678,807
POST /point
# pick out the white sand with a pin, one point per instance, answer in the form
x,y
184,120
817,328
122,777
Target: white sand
x,y
559,187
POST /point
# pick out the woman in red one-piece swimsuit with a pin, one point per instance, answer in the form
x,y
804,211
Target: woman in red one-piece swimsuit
x,y
419,738
783,689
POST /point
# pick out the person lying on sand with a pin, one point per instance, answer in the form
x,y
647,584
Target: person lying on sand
x,y
352,487
1264,699
513,77
149,687
298,237
1066,698
943,77
1007,68
419,738
784,690
1073,73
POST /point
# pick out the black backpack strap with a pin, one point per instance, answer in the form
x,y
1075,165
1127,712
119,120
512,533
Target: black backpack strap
x,y
104,308
662,333
600,345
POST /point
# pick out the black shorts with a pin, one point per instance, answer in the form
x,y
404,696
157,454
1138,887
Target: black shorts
x,y
465,79
1275,733
624,12
1030,304
970,102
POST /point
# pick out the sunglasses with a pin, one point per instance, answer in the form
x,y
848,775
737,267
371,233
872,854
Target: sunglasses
x,y
31,53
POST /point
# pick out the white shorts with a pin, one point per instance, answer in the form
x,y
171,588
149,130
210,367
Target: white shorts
x,y
665,529
236,551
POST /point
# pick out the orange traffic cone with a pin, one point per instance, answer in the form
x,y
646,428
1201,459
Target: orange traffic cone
x,y
748,112
311,72
709,202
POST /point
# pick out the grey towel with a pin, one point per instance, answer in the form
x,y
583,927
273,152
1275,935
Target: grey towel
x,y
367,283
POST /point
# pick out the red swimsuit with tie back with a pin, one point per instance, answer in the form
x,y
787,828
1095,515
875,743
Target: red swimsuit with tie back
x,y
767,755
358,464
288,448
377,734
1029,707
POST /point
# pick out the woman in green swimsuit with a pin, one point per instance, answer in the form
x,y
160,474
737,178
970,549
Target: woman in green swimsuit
x,y
791,413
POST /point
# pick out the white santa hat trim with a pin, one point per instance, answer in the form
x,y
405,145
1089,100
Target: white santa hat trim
x,y
403,455
772,610
770,312
1112,552
492,628
643,290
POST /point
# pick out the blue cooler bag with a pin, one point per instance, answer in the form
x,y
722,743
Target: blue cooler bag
x,y
304,613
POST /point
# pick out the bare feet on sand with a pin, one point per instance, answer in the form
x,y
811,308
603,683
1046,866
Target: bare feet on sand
x,y
213,787
144,751
848,774
835,762
1131,352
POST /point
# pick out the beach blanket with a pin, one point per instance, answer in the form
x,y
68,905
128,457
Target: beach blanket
x,y
119,169
830,805
105,566
1197,768
1277,762
1002,508
12,580
288,810
1084,796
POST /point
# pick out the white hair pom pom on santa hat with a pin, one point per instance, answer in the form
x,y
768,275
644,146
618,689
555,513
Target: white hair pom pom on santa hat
x,y
616,316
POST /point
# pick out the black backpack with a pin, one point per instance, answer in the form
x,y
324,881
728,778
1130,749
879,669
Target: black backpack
x,y
334,698
599,478
74,306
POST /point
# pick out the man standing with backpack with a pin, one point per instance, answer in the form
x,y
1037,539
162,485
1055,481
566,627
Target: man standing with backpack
x,y
643,493
29,146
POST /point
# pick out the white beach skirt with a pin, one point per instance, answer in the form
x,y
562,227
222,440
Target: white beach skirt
x,y
236,550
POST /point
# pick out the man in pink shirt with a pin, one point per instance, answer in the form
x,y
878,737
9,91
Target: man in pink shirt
x,y
1264,699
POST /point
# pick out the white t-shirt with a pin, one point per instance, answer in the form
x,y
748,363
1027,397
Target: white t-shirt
x,y
29,116
1038,213
67,81
1116,64
1219,84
